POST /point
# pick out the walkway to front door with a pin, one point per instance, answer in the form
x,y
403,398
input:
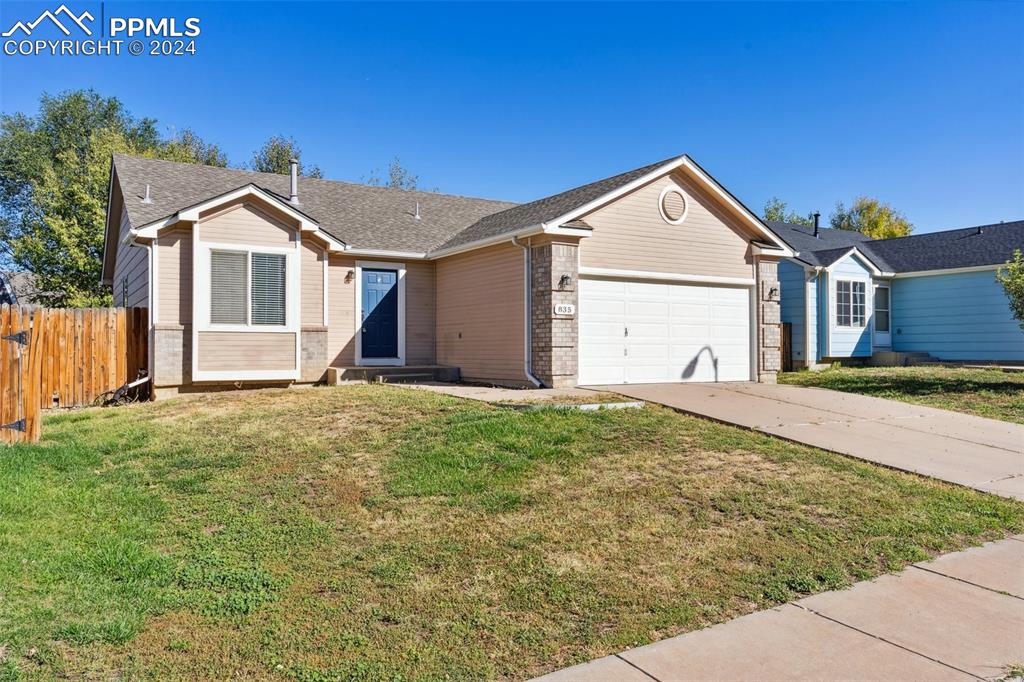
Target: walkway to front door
x,y
980,453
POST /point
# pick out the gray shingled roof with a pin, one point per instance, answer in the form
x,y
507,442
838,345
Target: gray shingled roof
x,y
548,208
801,238
362,216
961,248
18,288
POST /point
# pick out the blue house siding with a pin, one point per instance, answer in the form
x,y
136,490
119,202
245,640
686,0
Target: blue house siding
x,y
963,316
793,306
847,342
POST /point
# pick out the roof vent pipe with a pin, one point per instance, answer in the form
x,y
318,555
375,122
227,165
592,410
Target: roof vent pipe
x,y
293,198
417,210
146,199
817,216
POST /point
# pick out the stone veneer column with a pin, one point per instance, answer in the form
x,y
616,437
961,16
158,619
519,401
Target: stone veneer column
x,y
172,356
554,337
769,321
313,354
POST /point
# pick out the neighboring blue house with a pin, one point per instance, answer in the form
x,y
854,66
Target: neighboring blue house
x,y
847,296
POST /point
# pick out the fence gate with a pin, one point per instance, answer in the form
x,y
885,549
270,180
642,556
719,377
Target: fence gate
x,y
56,357
19,377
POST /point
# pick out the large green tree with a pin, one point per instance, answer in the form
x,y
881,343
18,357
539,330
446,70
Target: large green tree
x,y
1012,278
871,217
54,170
276,154
777,209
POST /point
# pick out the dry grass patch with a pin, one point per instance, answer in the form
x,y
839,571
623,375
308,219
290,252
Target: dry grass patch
x,y
371,532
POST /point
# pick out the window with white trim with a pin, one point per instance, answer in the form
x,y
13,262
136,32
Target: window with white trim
x,y
247,288
851,303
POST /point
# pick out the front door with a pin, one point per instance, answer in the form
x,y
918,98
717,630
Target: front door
x,y
883,336
380,314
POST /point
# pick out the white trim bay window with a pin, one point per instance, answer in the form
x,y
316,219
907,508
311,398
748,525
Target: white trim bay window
x,y
851,303
248,288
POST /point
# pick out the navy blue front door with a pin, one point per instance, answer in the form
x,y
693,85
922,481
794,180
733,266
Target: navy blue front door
x,y
380,314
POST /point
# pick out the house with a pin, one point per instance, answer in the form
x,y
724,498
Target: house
x,y
848,296
658,274
18,288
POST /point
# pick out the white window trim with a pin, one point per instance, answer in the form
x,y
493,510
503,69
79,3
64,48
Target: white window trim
x,y
201,264
380,265
672,187
834,306
875,285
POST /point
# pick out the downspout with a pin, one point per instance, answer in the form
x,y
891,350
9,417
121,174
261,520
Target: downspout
x,y
527,314
811,333
757,319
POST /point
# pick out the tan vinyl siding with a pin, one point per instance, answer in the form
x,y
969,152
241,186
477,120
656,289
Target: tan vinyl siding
x,y
341,315
312,299
630,234
174,276
131,265
420,315
246,351
246,223
419,312
480,313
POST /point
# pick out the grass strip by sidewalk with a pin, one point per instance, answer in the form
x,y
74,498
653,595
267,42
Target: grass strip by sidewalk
x,y
372,532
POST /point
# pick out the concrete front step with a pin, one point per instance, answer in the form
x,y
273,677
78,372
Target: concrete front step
x,y
888,358
407,374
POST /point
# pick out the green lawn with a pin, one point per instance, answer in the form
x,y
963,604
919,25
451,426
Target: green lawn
x,y
985,392
373,532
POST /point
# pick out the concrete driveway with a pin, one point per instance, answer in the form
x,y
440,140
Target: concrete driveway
x,y
980,453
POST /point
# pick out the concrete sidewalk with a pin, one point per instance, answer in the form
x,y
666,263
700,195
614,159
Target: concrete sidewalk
x,y
980,453
958,617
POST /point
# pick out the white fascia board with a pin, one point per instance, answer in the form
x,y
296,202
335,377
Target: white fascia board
x,y
946,271
667,167
380,253
771,252
106,227
854,251
664,276
727,198
707,180
508,236
191,214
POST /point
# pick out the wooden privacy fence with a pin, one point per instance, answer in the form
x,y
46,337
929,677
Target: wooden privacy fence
x,y
57,357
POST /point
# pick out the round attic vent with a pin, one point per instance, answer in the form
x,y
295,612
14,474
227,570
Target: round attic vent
x,y
672,205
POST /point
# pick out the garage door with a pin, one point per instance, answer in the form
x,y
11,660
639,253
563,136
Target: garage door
x,y
649,332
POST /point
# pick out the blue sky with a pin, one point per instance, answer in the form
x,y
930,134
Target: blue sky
x,y
921,105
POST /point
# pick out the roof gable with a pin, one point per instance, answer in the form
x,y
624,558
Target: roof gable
x,y
358,215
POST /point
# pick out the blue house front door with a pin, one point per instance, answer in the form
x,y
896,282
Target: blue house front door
x,y
380,314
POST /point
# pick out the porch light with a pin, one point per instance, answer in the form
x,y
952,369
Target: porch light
x,y
564,281
349,276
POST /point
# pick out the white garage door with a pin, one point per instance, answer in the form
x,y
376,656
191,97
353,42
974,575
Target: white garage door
x,y
648,332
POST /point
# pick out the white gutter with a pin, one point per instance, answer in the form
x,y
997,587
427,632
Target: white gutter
x,y
527,315
500,239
